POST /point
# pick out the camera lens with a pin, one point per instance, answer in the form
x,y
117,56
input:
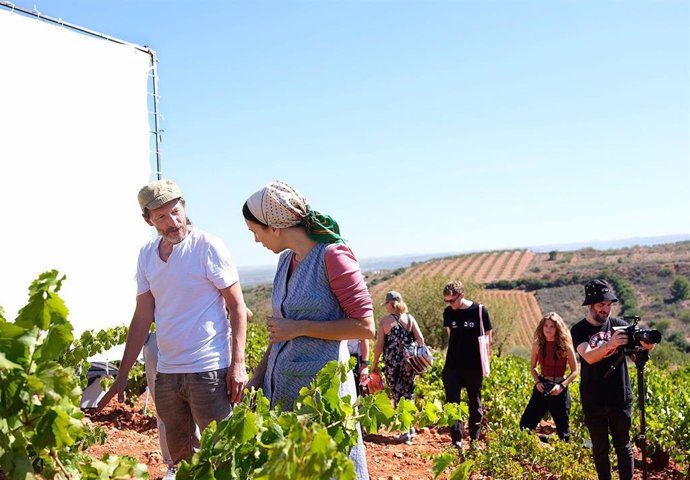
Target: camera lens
x,y
647,335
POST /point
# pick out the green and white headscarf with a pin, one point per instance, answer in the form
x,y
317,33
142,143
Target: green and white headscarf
x,y
281,206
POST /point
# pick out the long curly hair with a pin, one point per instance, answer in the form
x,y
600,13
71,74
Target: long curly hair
x,y
563,339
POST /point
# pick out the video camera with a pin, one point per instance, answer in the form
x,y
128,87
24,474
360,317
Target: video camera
x,y
636,334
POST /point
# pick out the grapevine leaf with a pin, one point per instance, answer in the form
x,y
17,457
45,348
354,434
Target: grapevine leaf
x,y
14,343
452,413
406,412
430,413
6,364
376,411
56,342
17,462
244,426
462,472
40,311
441,462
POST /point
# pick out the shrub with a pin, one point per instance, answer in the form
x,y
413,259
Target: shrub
x,y
680,288
662,324
42,432
684,317
665,272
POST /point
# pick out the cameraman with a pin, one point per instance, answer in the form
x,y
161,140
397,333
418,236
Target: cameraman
x,y
606,402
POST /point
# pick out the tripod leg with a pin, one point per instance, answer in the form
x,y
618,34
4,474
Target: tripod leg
x,y
640,360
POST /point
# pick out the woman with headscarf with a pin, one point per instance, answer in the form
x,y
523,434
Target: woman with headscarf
x,y
320,299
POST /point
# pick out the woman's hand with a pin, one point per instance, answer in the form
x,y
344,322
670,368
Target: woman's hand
x,y
557,390
363,373
282,329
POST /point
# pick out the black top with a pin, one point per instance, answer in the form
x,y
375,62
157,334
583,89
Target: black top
x,y
595,390
463,347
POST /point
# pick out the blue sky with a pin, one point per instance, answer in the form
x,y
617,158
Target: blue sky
x,y
422,126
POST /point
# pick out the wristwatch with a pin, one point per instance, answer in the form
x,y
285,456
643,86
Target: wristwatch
x,y
365,362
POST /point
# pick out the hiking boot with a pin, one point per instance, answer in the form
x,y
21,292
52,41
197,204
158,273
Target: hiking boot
x,y
170,474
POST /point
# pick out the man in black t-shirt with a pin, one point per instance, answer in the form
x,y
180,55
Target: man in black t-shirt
x,y
463,368
605,390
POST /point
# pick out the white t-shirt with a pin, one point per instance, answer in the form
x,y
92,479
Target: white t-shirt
x,y
191,322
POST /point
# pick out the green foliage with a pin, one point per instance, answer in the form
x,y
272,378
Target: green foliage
x,y
530,283
666,353
312,441
256,345
625,293
511,453
684,317
503,314
662,324
553,254
42,429
680,288
386,276
665,272
667,408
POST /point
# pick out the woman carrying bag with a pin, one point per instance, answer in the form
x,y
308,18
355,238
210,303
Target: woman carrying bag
x,y
397,331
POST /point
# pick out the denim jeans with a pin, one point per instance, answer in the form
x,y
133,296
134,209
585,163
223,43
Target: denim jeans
x,y
599,420
187,400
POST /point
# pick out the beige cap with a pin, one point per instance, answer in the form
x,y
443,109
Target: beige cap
x,y
158,193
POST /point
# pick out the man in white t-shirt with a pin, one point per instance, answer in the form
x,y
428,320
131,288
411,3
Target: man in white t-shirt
x,y
186,280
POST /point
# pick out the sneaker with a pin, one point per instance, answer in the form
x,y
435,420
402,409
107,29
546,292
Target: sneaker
x,y
413,432
405,437
170,475
458,445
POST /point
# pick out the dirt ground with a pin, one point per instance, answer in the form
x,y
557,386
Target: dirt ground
x,y
132,433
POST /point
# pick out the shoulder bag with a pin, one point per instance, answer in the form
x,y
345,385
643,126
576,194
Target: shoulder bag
x,y
420,357
483,340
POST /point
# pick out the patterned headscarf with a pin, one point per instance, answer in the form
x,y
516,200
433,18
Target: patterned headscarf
x,y
281,206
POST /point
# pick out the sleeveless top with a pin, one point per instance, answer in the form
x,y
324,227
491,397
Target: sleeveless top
x,y
552,365
306,295
394,343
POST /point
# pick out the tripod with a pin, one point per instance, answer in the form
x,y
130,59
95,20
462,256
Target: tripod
x,y
640,357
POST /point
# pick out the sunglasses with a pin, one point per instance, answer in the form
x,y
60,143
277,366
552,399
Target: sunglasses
x,y
452,300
